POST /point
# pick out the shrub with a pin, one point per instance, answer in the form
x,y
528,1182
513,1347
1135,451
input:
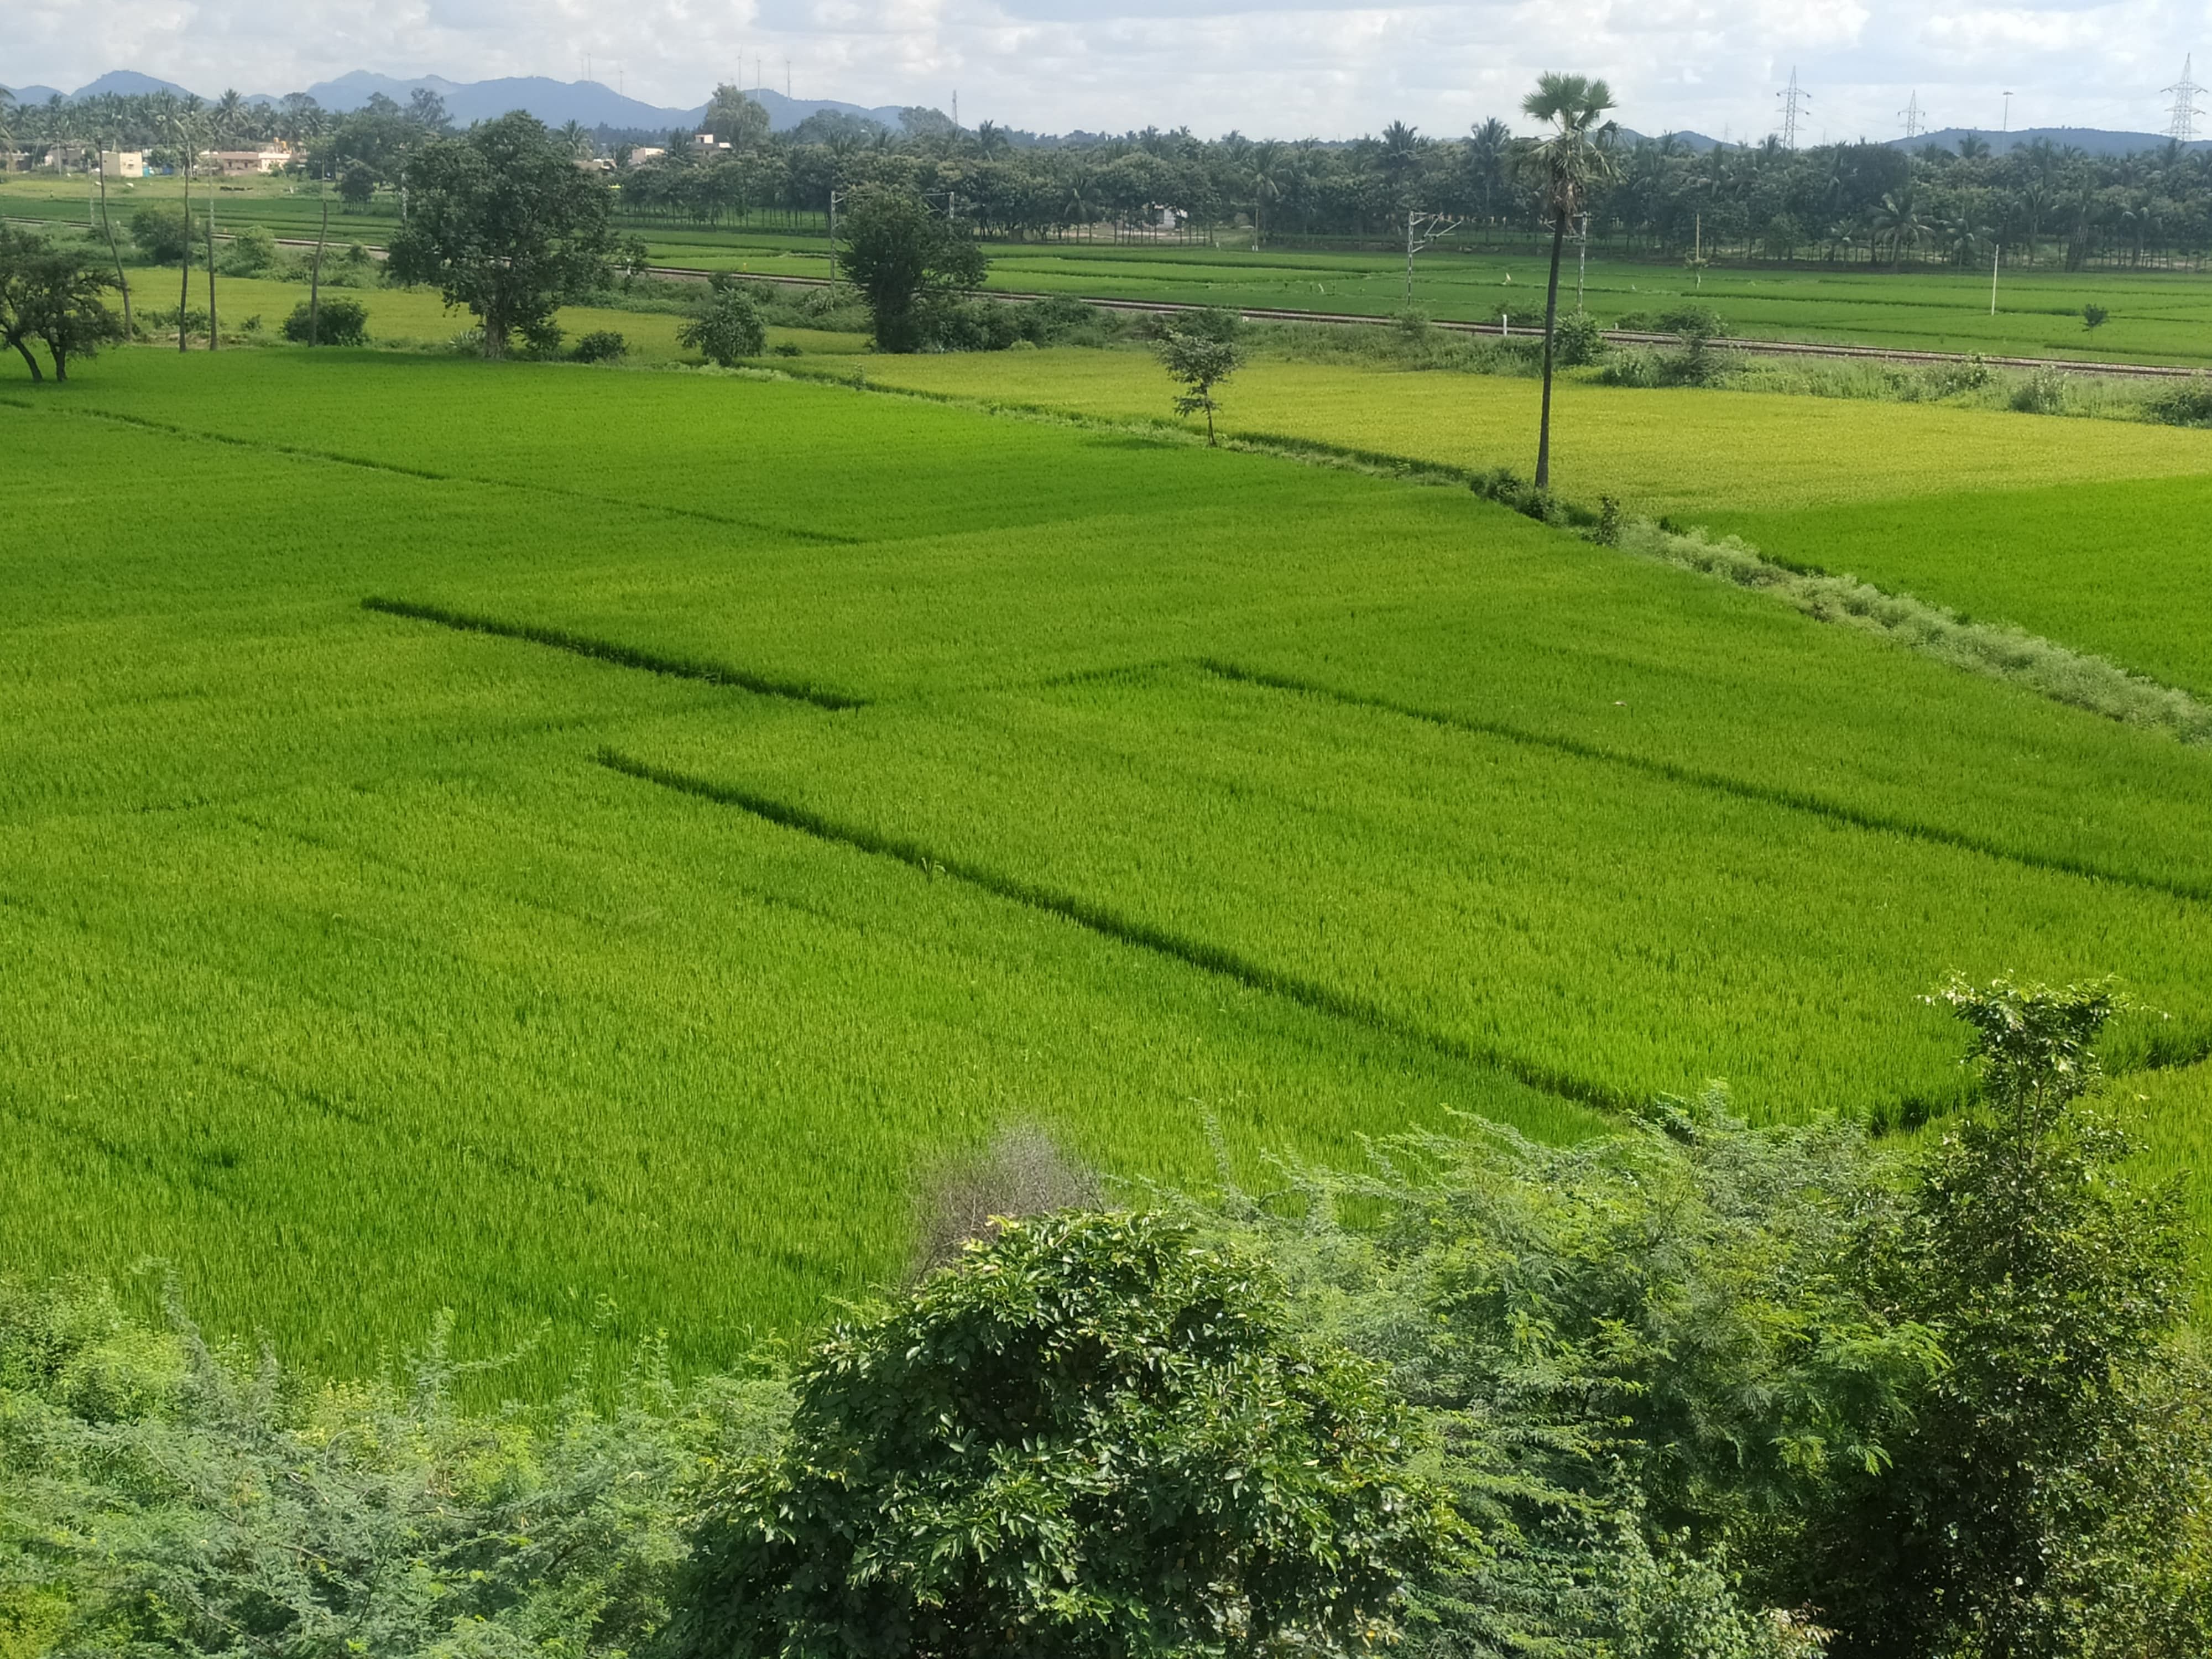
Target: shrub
x,y
952,325
1577,339
2093,316
1059,317
730,330
786,349
1099,1435
2187,405
2044,392
161,231
601,346
1637,366
1694,323
252,251
341,322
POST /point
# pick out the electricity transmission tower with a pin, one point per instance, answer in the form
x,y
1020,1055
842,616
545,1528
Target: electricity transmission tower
x,y
1916,118
2181,119
1791,97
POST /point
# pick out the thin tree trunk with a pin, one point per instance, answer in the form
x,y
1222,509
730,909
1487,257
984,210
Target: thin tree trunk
x,y
184,288
130,329
315,281
215,329
29,361
1551,317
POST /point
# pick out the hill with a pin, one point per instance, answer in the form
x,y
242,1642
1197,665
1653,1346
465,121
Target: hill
x,y
2093,141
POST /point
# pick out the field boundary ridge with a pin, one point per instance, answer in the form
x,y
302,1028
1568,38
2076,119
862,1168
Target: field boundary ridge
x,y
1123,930
611,651
1719,783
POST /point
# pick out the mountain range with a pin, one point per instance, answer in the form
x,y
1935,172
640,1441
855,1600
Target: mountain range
x,y
594,105
554,102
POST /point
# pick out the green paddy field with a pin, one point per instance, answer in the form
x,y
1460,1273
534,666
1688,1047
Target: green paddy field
x,y
584,846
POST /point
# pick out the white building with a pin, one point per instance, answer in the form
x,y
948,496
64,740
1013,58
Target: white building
x,y
123,163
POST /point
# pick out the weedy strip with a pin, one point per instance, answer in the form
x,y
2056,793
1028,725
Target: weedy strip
x,y
2012,654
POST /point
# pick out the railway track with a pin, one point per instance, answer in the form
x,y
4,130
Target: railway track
x,y
1501,328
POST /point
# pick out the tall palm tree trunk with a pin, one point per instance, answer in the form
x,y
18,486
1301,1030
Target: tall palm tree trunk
x,y
1551,317
122,281
185,265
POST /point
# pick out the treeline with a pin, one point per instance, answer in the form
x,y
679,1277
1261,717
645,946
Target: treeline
x,y
1692,1391
1873,204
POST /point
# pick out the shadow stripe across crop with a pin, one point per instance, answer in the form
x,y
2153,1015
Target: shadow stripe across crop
x,y
1719,783
1124,930
611,651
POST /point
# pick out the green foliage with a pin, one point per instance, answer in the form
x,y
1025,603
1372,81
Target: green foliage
x,y
2093,316
335,321
730,330
1095,1435
2187,405
2042,391
1200,351
503,222
158,1495
252,251
600,346
906,261
1577,340
55,297
2056,1285
161,233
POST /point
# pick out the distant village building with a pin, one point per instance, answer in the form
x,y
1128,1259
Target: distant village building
x,y
708,140
123,163
645,153
241,163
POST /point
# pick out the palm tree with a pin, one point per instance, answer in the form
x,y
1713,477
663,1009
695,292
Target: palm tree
x,y
1897,221
7,131
1564,165
578,138
1266,187
1487,151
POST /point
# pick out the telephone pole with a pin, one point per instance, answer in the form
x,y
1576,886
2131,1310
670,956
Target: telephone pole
x,y
1792,96
2181,119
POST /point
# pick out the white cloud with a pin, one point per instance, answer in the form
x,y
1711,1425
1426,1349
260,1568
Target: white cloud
x,y
1280,67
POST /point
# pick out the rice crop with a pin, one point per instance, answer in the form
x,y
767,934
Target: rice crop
x,y
1590,928
1682,453
2117,569
348,981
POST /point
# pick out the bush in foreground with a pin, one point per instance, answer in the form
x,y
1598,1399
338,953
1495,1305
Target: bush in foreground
x,y
1101,1436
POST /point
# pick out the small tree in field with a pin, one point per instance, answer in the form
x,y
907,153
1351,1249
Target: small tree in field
x,y
1095,1436
1200,351
730,330
503,221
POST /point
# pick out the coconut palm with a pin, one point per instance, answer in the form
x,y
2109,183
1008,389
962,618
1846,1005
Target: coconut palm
x,y
1897,221
1488,152
1565,165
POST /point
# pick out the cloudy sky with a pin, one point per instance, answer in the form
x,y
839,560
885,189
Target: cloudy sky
x,y
1282,67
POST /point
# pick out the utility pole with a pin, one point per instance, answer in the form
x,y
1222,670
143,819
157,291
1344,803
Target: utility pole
x,y
1421,230
1994,258
1582,262
834,195
1792,96
2181,119
2007,127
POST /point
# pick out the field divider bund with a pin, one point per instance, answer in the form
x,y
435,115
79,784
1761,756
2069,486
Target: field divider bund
x,y
608,651
1097,919
301,451
1763,794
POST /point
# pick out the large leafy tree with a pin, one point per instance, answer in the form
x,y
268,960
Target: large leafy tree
x,y
1566,165
905,260
1094,1436
503,221
52,297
